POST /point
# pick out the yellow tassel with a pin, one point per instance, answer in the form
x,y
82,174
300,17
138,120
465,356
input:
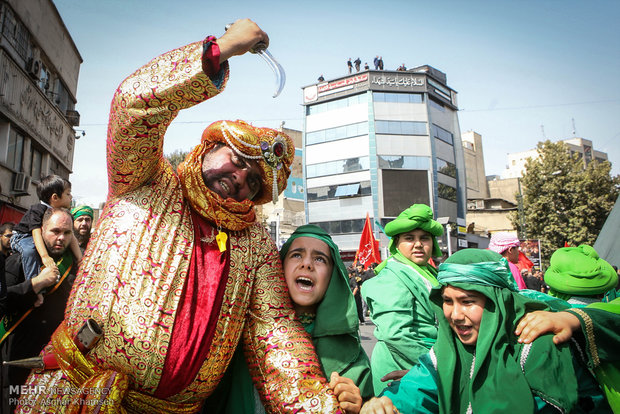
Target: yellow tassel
x,y
221,240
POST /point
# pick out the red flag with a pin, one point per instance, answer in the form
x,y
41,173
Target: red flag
x,y
368,252
524,262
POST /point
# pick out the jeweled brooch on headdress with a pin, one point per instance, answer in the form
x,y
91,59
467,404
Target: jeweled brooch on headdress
x,y
272,154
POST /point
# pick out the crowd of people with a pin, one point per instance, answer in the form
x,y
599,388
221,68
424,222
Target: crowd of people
x,y
198,312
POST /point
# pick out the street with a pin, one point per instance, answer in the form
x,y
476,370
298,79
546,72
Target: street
x,y
367,337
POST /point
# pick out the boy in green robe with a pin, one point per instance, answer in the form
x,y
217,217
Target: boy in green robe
x,y
397,297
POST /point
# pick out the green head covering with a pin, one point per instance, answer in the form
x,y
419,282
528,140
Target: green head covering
x,y
418,216
488,375
82,211
579,271
335,333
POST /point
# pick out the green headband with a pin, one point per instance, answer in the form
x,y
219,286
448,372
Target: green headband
x,y
580,271
311,230
475,266
82,211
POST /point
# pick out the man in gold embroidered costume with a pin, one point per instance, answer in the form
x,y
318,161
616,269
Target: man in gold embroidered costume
x,y
178,271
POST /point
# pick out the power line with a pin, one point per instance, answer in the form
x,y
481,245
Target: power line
x,y
208,122
539,106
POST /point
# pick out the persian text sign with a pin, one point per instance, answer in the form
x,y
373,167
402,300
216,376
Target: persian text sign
x,y
343,82
396,80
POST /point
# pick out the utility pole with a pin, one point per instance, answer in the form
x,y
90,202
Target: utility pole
x,y
522,231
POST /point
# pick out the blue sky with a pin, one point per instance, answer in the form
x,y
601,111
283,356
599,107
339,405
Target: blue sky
x,y
518,66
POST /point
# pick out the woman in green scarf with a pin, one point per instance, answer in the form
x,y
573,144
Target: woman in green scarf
x,y
478,365
318,284
398,296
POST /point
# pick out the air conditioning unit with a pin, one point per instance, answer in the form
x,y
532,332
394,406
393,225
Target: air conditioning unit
x,y
21,182
73,117
33,67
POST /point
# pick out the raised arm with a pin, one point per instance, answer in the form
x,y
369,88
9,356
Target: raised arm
x,y
147,101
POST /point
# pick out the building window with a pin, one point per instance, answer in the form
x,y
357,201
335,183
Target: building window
x,y
442,134
15,150
446,168
335,134
337,167
401,127
446,192
396,162
35,166
402,188
436,104
398,97
337,104
44,78
57,168
334,192
16,33
341,226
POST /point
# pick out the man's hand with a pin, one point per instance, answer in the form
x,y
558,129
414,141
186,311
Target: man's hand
x,y
242,36
348,394
381,405
534,324
47,277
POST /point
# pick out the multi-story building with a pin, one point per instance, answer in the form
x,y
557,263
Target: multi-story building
x,y
579,146
39,68
376,142
474,165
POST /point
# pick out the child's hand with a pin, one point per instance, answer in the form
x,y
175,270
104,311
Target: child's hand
x,y
39,300
349,396
48,262
534,324
381,405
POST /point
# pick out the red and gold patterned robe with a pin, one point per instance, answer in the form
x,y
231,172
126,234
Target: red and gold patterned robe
x,y
135,270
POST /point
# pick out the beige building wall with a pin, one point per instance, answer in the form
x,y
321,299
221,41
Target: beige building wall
x,y
474,165
488,221
580,146
505,189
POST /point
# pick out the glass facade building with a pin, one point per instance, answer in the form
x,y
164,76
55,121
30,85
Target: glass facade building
x,y
377,142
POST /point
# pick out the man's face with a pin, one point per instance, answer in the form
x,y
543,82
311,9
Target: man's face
x,y
230,175
57,233
512,254
5,240
463,309
82,225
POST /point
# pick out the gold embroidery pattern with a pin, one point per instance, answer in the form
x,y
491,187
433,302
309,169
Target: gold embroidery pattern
x,y
589,336
134,271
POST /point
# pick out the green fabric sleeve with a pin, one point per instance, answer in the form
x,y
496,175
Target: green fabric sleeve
x,y
404,320
599,325
402,313
416,392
